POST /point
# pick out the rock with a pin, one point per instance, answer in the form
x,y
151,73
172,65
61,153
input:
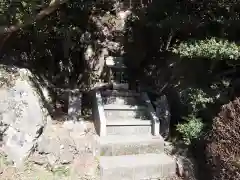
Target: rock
x,y
39,159
8,171
66,156
17,145
22,112
69,125
80,145
43,145
180,169
48,145
66,142
80,127
169,147
76,129
84,165
52,159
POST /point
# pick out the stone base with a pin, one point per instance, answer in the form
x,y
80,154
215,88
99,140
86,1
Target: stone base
x,y
116,145
142,166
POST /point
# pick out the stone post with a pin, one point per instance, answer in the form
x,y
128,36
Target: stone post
x,y
163,113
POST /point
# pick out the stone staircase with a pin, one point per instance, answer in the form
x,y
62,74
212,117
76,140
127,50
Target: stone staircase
x,y
130,145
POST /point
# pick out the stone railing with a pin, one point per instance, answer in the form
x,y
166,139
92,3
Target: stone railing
x,y
163,113
152,113
98,114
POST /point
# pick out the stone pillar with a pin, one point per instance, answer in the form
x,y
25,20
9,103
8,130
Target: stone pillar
x,y
163,113
118,76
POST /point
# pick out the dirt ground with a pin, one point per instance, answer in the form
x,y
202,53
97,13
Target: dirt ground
x,y
84,164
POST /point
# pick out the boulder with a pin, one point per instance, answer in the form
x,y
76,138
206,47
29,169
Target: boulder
x,y
22,112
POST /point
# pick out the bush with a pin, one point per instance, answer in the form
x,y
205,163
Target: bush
x,y
195,99
223,143
191,129
210,48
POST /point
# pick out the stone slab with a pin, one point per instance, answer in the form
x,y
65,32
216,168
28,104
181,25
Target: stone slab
x,y
142,166
128,122
125,107
120,86
121,114
116,145
122,100
129,130
119,93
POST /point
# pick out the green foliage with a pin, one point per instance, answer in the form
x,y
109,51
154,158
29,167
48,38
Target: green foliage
x,y
191,129
196,99
12,12
61,171
210,48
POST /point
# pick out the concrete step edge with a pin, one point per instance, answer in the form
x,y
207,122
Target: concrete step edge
x,y
120,86
111,162
120,93
124,107
129,122
140,166
120,139
118,145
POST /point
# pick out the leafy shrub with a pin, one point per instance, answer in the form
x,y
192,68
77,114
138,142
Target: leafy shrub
x,y
210,48
196,99
191,129
223,143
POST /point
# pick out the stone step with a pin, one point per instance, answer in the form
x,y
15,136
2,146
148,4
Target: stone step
x,y
136,167
126,114
125,107
128,122
116,145
120,86
119,93
133,129
122,100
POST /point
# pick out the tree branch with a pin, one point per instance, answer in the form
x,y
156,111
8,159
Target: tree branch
x,y
170,36
53,5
